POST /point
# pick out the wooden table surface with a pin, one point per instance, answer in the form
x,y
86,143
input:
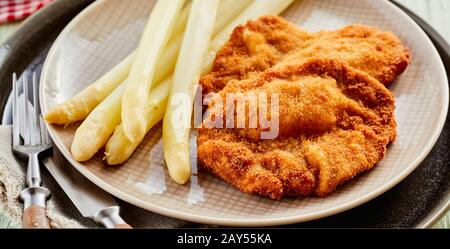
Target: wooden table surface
x,y
435,12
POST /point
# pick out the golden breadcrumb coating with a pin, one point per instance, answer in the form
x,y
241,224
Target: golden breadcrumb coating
x,y
270,40
335,122
336,117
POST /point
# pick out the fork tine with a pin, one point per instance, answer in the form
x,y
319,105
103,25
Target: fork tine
x,y
36,134
16,134
44,132
28,122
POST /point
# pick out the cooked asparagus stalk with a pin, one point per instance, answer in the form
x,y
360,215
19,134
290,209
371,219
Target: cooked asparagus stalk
x,y
120,148
185,78
142,73
78,107
95,131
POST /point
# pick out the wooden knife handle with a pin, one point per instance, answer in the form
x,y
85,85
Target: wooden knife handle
x,y
110,218
123,226
35,217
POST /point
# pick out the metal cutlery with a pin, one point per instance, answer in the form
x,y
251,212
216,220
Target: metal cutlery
x,y
91,201
35,142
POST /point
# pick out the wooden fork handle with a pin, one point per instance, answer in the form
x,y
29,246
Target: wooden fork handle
x,y
35,211
35,217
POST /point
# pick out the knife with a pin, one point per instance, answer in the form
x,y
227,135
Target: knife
x,y
90,200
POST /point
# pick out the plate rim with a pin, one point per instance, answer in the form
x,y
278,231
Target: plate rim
x,y
253,221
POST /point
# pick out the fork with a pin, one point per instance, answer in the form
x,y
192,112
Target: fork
x,y
35,142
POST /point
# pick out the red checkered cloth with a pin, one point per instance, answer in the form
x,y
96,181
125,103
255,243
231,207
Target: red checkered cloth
x,y
15,10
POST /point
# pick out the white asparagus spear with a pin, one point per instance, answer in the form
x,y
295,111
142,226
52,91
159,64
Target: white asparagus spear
x,y
228,9
140,79
119,148
95,131
115,150
78,107
119,140
185,78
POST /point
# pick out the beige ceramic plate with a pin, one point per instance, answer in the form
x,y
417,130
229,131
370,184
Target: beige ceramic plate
x,y
109,29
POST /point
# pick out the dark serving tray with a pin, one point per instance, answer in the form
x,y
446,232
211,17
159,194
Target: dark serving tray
x,y
418,201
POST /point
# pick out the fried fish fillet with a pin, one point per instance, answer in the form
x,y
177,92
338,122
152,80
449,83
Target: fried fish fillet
x,y
271,41
334,123
335,113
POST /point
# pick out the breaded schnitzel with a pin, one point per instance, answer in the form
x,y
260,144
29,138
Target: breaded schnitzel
x,y
335,122
335,114
270,40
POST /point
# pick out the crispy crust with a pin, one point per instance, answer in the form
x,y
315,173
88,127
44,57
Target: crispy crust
x,y
303,162
270,40
336,115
